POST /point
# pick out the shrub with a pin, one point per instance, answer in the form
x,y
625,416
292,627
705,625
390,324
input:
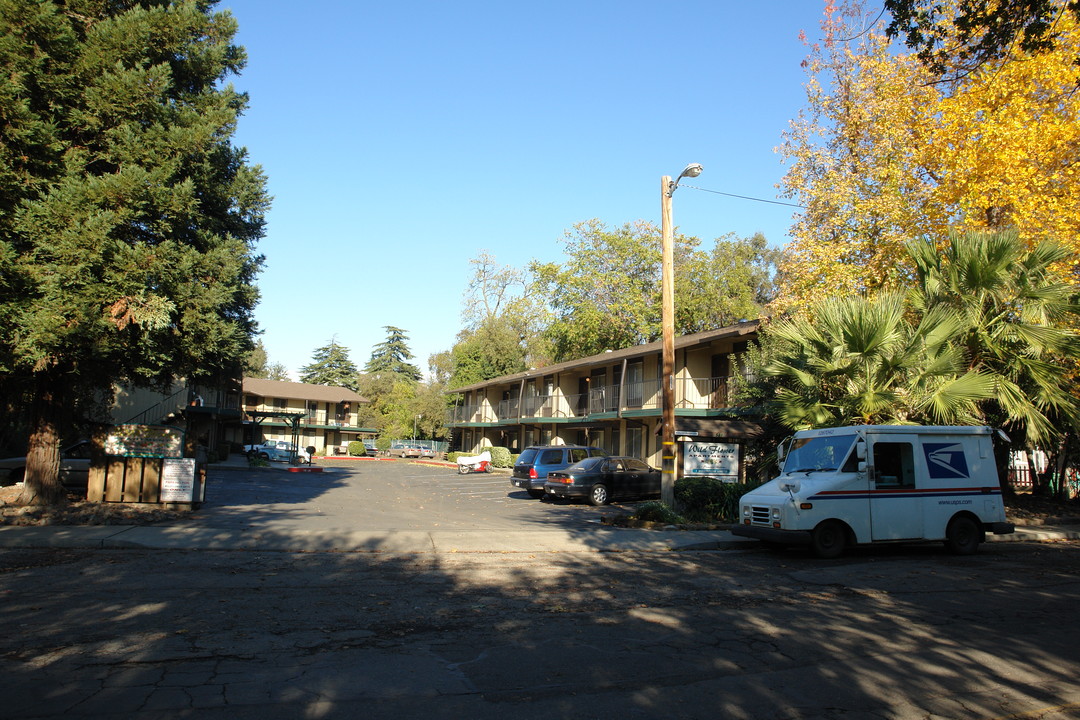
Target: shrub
x,y
501,457
656,511
356,448
383,443
453,456
707,499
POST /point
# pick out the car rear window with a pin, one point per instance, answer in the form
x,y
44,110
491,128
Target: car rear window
x,y
551,457
527,457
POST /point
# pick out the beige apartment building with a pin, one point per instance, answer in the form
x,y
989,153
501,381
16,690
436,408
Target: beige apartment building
x,y
308,415
613,401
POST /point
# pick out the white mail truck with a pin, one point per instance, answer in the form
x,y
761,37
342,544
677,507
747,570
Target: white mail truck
x,y
865,484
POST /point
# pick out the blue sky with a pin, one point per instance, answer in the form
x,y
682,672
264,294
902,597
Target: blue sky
x,y
401,139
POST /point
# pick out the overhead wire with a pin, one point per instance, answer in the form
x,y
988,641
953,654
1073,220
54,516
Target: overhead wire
x,y
743,197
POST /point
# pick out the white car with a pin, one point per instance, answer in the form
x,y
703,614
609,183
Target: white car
x,y
277,450
74,466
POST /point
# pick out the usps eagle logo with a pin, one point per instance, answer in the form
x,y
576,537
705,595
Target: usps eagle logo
x,y
946,460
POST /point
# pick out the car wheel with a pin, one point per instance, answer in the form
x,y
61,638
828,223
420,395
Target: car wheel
x,y
829,540
536,494
962,536
264,456
598,495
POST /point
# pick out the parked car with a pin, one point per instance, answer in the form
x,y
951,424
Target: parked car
x,y
599,479
74,467
413,450
536,461
279,450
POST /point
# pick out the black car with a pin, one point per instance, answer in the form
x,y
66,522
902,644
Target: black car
x,y
599,479
533,465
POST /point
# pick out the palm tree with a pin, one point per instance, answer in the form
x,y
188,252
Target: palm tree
x,y
1015,321
853,360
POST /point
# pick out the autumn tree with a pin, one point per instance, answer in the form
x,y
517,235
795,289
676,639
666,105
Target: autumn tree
x,y
884,153
983,31
127,218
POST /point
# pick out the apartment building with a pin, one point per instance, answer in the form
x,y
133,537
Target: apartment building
x,y
613,400
308,415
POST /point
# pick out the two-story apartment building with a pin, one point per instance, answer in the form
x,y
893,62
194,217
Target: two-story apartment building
x,y
613,400
320,415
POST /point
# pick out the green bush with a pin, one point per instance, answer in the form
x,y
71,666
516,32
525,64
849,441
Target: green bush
x,y
656,511
383,443
356,448
453,456
706,499
501,457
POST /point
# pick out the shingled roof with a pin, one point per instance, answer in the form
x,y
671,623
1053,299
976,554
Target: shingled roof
x,y
300,391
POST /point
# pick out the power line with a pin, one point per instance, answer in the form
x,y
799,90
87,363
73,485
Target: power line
x,y
744,197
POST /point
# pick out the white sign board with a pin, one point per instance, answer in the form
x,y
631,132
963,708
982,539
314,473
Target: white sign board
x,y
178,480
711,459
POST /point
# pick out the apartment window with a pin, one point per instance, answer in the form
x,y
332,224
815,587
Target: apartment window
x,y
635,437
280,403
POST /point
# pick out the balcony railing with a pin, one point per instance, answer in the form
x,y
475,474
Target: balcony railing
x,y
690,393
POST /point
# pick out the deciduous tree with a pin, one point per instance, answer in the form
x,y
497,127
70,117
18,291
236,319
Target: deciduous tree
x,y
884,153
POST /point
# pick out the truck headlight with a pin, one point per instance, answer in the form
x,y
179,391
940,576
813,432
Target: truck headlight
x,y
776,513
746,510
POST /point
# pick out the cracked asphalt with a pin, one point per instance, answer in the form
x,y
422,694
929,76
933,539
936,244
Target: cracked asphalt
x,y
905,632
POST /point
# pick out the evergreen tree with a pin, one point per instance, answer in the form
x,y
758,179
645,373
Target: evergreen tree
x,y
330,366
392,356
127,218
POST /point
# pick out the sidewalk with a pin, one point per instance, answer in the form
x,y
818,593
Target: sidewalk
x,y
598,539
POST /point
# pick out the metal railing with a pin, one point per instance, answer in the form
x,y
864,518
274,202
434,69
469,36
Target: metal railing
x,y
711,393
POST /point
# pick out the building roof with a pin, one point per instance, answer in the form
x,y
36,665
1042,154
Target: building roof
x,y
300,391
748,327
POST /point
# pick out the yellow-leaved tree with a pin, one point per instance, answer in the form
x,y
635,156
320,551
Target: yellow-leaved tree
x,y
886,151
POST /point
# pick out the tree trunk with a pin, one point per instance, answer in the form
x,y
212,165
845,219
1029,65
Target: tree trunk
x,y
41,484
1061,464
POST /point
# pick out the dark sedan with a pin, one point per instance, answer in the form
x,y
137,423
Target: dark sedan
x,y
600,479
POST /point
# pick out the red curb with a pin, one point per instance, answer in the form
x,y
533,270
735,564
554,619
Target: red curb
x,y
304,469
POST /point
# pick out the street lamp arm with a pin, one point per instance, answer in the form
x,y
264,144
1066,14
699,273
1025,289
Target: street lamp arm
x,y
691,170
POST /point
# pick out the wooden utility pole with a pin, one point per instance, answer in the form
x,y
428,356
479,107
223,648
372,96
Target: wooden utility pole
x,y
667,321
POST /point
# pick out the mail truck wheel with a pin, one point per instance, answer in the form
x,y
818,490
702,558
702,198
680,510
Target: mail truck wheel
x,y
962,537
829,540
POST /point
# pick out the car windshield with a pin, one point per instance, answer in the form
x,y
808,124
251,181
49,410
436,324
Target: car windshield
x,y
818,454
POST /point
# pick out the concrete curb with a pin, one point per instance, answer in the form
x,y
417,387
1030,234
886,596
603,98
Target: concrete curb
x,y
465,541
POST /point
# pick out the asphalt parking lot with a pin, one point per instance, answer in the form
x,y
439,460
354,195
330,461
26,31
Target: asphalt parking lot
x,y
386,495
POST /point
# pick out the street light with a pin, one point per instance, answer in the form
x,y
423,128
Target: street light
x,y
414,426
667,322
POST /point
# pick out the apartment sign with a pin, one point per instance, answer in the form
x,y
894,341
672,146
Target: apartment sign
x,y
711,459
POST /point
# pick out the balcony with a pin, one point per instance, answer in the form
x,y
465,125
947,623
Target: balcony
x,y
690,394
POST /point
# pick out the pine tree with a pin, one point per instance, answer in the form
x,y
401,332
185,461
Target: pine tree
x,y
330,365
392,356
127,218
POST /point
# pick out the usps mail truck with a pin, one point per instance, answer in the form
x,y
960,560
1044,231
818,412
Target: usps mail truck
x,y
865,484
